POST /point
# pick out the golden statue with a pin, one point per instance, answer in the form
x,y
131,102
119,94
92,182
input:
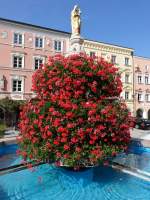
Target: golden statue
x,y
75,20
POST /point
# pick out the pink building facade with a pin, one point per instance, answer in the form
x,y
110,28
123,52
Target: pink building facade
x,y
142,87
23,47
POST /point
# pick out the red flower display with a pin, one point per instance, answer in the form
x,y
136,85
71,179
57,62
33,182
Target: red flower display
x,y
77,118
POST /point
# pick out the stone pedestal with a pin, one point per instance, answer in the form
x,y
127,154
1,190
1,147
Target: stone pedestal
x,y
76,44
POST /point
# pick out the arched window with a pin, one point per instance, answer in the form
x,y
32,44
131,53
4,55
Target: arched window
x,y
139,113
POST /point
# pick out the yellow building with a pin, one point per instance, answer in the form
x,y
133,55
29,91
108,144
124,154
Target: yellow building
x,y
122,57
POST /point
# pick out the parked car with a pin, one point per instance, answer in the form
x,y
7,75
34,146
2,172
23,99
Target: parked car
x,y
143,124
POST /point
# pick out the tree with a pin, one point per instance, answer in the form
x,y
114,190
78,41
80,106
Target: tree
x,y
9,110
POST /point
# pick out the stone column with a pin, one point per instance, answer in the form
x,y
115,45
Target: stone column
x,y
76,44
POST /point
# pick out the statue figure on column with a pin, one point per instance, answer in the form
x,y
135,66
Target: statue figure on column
x,y
75,20
76,41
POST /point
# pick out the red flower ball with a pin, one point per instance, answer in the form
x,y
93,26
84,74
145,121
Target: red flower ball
x,y
77,117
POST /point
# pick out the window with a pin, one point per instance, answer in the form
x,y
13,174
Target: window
x,y
126,61
139,79
103,55
113,59
146,97
2,82
126,78
146,80
92,54
4,34
18,38
39,42
37,62
139,97
126,95
17,61
146,68
17,85
57,45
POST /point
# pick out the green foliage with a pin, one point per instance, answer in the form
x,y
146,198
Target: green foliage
x,y
10,105
2,130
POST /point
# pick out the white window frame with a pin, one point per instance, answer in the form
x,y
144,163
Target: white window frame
x,y
113,61
61,42
38,57
141,97
17,44
126,92
17,78
18,55
128,79
146,83
139,82
43,41
92,54
4,34
126,63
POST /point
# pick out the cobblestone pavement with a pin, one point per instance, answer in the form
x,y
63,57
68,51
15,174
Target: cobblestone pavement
x,y
141,135
10,136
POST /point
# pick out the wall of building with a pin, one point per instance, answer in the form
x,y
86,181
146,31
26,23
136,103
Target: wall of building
x,y
142,86
107,51
28,51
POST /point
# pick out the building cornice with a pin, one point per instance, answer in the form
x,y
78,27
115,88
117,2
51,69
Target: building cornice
x,y
16,70
107,47
127,87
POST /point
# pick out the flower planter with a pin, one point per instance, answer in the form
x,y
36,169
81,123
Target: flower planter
x,y
75,117
78,168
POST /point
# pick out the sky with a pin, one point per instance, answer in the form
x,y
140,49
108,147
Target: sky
x,y
120,22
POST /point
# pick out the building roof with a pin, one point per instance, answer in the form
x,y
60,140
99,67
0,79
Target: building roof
x,y
142,57
33,26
